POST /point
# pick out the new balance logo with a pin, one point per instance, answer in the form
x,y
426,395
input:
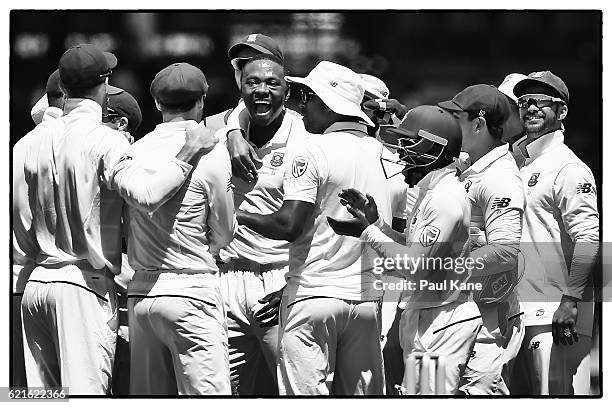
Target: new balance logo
x,y
584,188
534,345
500,202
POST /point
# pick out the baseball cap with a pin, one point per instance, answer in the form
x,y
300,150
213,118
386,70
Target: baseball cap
x,y
508,84
484,100
178,83
85,65
123,103
545,78
339,88
258,42
375,88
429,122
53,88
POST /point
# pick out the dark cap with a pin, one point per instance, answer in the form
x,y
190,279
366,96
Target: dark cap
x,y
84,66
546,78
482,100
53,88
178,83
258,42
124,104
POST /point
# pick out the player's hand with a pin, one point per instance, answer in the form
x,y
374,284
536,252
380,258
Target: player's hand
x,y
356,203
564,322
244,159
267,316
392,106
351,228
199,140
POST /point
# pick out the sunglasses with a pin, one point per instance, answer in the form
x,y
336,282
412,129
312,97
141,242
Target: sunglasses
x,y
306,96
540,101
238,63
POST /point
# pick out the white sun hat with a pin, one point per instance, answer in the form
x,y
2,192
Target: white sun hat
x,y
339,88
375,86
508,84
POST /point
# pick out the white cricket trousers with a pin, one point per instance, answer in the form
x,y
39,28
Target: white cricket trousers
x,y
70,328
178,335
253,350
497,344
448,331
330,346
551,369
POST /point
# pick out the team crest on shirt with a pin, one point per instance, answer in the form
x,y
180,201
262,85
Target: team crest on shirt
x,y
467,186
300,164
277,159
429,235
533,180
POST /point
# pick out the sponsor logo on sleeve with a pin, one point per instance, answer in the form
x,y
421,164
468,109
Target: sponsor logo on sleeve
x,y
300,164
533,180
500,202
585,188
429,235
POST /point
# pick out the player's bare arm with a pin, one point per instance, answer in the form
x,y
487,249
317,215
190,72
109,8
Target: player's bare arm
x,y
286,224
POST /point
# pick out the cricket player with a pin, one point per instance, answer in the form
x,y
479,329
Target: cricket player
x,y
178,332
76,174
493,185
235,120
437,319
329,320
560,242
257,265
24,242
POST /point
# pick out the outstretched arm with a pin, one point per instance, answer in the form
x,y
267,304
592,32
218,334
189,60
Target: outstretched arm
x,y
286,224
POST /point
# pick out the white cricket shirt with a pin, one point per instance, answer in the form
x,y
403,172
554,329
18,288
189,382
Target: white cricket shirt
x,y
266,195
25,247
76,175
437,229
322,263
561,210
189,229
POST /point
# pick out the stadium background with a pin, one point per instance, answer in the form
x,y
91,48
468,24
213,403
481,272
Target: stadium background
x,y
423,56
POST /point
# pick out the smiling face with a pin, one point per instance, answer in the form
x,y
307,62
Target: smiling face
x,y
263,90
538,112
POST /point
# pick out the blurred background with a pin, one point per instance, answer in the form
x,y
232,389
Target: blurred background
x,y
424,57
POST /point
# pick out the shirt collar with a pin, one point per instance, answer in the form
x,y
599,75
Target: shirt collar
x,y
177,125
346,126
487,159
52,113
539,146
282,134
86,107
433,177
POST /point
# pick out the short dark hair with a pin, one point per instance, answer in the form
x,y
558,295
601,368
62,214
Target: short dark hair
x,y
496,130
265,57
178,107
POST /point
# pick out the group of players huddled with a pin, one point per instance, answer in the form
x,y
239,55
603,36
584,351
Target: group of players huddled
x,y
252,236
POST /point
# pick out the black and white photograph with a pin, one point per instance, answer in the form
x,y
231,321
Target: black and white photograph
x,y
279,203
